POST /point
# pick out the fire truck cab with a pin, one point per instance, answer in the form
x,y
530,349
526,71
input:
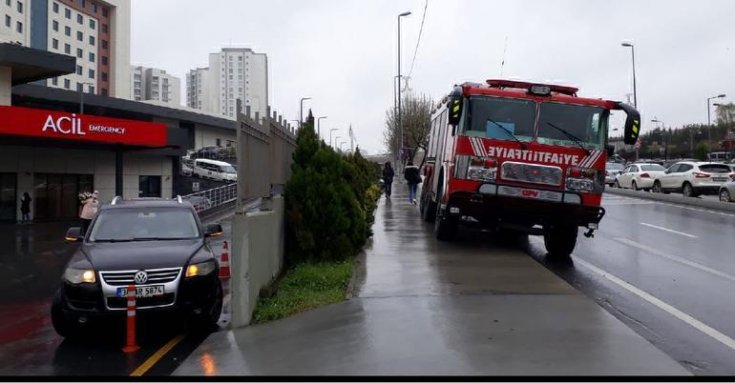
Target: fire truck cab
x,y
520,156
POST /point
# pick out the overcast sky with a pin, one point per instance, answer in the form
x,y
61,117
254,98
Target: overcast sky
x,y
342,53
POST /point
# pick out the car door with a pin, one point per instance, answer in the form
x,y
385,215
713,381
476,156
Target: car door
x,y
624,179
683,174
630,175
668,179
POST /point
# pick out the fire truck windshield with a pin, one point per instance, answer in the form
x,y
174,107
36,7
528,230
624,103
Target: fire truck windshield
x,y
485,114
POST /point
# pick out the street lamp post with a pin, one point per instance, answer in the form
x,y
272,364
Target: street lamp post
x,y
318,127
81,95
340,145
301,109
709,121
330,135
635,93
400,122
663,137
336,139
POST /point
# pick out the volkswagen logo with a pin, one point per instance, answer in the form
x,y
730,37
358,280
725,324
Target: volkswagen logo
x,y
141,277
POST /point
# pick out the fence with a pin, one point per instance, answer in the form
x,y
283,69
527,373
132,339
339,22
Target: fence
x,y
212,198
264,155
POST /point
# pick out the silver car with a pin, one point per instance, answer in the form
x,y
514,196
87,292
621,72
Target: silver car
x,y
612,170
727,191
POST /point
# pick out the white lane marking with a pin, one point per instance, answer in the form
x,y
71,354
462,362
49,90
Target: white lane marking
x,y
675,258
702,210
686,318
669,230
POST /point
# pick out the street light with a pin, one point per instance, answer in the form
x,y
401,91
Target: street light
x,y
318,128
709,121
301,109
635,93
330,135
335,141
81,94
663,136
400,122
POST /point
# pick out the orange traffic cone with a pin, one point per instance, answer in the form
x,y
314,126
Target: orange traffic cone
x,y
224,262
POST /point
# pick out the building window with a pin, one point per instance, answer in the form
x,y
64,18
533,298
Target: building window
x,y
91,89
20,7
79,69
56,7
8,22
104,60
67,83
91,57
80,87
55,43
19,27
67,31
104,91
104,12
81,2
67,13
80,19
91,73
80,53
91,40
80,36
92,24
104,44
67,48
55,81
104,76
94,8
7,2
104,28
56,25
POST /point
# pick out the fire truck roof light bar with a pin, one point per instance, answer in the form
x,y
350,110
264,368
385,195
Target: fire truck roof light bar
x,y
534,88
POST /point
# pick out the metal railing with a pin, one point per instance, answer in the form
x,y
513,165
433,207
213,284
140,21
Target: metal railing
x,y
212,198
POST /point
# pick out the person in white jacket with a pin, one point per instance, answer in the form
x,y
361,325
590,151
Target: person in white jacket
x,y
89,209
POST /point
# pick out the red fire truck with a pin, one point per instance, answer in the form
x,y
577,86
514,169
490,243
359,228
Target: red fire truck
x,y
520,156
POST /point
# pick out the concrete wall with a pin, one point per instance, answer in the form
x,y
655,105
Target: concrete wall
x,y
258,241
205,136
26,161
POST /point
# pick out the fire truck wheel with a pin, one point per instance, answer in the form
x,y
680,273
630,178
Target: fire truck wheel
x,y
560,241
445,228
428,208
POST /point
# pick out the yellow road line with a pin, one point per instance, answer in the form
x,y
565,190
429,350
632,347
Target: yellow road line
x,y
150,362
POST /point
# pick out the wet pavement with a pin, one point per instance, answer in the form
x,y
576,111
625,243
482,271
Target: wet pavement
x,y
679,261
478,306
33,257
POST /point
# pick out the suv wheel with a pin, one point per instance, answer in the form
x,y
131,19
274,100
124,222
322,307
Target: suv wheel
x,y
208,319
62,325
687,190
725,195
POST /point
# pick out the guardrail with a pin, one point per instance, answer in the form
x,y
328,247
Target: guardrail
x,y
213,198
677,199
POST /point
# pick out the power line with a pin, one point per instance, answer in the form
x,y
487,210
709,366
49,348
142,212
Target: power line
x,y
426,5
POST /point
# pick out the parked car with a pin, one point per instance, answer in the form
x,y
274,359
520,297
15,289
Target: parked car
x,y
215,170
157,245
693,178
200,203
639,176
727,191
612,169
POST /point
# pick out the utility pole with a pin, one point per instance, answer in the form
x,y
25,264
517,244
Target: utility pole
x,y
400,122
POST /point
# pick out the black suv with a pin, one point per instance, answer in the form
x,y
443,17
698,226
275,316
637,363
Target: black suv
x,y
158,245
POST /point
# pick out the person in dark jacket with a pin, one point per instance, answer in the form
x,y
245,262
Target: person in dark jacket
x,y
388,175
413,178
25,208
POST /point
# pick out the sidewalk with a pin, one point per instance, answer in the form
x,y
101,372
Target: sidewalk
x,y
471,307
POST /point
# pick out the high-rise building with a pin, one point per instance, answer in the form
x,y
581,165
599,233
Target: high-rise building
x,y
152,84
96,32
233,73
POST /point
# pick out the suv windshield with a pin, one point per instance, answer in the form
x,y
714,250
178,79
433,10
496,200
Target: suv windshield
x,y
140,224
486,113
587,123
715,168
228,169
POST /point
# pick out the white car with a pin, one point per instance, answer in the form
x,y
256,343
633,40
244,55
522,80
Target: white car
x,y
693,178
639,176
215,170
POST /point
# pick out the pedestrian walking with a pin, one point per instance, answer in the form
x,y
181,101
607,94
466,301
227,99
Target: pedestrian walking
x,y
413,178
25,208
388,175
90,204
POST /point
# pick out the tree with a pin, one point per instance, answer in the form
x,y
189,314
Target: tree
x,y
725,114
416,121
700,152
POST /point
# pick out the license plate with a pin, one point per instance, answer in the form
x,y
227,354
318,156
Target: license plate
x,y
141,291
719,179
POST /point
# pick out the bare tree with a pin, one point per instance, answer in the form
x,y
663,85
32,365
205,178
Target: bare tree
x,y
725,114
416,118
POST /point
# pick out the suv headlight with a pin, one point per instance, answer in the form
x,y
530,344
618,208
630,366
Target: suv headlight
x,y
199,269
77,276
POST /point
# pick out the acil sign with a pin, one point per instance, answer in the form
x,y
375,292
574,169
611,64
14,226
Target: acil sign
x,y
64,125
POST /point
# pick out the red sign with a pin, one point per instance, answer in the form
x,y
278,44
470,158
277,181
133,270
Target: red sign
x,y
71,126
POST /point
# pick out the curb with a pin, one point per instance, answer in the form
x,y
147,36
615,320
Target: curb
x,y
674,199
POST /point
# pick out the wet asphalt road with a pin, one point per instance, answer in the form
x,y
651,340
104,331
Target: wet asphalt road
x,y
33,259
679,262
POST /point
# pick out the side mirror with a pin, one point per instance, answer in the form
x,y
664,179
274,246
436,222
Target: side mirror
x,y
610,150
74,234
213,230
632,123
